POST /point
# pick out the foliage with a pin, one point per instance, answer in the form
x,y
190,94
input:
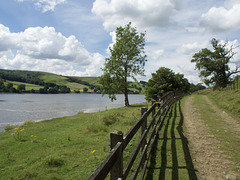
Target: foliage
x,y
165,80
196,87
126,61
213,65
85,90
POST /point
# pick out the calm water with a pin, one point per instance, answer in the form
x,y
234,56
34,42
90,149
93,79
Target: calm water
x,y
17,108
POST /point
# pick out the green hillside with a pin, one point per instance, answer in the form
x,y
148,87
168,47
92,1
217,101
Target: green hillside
x,y
43,82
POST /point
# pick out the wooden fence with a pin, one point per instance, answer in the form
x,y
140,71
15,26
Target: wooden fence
x,y
235,84
113,163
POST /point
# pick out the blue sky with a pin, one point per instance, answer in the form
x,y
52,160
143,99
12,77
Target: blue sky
x,y
71,37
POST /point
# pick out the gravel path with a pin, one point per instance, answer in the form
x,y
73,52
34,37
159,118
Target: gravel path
x,y
208,159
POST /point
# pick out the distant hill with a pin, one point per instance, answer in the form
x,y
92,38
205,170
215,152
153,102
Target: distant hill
x,y
42,82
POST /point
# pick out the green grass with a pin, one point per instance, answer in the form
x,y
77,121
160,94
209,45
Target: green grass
x,y
61,148
228,100
28,86
61,80
229,138
90,80
171,157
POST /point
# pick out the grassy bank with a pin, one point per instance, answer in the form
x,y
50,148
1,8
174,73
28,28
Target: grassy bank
x,y
171,158
62,148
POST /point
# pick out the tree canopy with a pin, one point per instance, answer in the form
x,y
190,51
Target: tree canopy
x,y
165,80
127,60
213,65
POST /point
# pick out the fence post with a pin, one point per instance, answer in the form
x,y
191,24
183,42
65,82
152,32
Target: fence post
x,y
237,81
117,169
144,127
153,112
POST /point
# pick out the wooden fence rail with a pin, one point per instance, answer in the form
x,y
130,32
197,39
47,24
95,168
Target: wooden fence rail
x,y
113,163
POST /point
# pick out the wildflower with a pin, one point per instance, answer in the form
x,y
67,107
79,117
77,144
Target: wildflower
x,y
16,128
21,130
93,151
32,136
13,134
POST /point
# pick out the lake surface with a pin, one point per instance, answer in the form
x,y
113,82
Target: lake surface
x,y
17,108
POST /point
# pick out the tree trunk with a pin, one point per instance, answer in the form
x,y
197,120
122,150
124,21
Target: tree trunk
x,y
126,98
126,86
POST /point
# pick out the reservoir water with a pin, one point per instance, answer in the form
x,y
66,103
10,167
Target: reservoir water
x,y
17,108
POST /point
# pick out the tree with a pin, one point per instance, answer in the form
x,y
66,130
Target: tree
x,y
85,90
21,87
2,87
213,65
165,80
126,61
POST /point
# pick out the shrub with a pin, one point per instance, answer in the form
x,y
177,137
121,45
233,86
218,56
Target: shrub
x,y
95,128
109,120
55,162
10,127
28,122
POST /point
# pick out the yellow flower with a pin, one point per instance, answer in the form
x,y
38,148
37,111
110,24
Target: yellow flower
x,y
12,134
21,130
16,128
32,136
93,151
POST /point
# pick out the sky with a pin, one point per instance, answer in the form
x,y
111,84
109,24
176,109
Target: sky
x,y
72,37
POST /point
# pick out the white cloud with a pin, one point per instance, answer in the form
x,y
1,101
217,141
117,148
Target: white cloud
x,y
46,5
219,19
156,54
190,48
45,49
143,13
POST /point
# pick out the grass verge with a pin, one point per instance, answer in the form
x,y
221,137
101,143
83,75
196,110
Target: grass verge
x,y
171,158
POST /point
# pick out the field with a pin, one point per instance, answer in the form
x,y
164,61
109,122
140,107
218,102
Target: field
x,y
200,138
28,86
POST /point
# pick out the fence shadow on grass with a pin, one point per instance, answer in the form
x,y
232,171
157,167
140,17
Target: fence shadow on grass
x,y
165,156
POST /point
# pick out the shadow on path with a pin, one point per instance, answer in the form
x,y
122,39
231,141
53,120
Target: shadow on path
x,y
171,149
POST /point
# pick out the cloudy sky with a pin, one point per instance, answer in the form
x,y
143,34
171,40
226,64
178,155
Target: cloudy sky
x,y
71,37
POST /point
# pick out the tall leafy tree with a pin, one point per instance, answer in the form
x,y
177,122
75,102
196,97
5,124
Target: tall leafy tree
x,y
213,64
127,60
165,80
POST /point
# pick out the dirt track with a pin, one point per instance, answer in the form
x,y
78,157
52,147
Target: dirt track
x,y
208,159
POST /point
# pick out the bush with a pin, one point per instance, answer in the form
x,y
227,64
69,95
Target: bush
x,y
96,128
28,122
55,162
10,127
110,119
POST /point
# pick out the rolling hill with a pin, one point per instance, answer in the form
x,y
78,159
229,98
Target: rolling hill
x,y
35,80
